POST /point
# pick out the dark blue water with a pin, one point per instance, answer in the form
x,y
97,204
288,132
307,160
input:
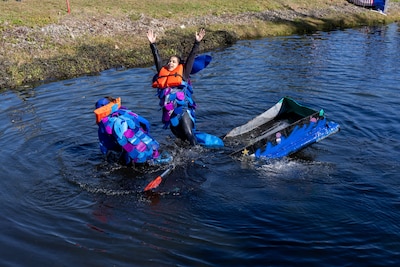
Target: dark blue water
x,y
336,203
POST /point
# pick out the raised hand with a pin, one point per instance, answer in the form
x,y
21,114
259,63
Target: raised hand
x,y
151,36
200,35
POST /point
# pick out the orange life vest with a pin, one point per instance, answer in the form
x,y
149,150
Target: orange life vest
x,y
168,78
106,110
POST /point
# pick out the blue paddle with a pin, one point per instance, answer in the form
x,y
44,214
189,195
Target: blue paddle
x,y
208,140
200,62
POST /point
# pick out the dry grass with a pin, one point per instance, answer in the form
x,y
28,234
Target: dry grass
x,y
40,40
34,13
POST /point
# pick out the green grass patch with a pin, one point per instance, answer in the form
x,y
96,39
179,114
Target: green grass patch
x,y
41,12
31,56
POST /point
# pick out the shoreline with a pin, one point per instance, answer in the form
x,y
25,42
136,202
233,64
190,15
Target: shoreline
x,y
75,47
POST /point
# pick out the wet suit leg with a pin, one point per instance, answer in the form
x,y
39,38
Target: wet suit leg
x,y
184,130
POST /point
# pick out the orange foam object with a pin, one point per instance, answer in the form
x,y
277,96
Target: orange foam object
x,y
106,110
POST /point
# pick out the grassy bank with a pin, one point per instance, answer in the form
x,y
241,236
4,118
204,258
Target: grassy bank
x,y
42,41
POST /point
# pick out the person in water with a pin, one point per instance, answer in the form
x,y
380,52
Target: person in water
x,y
175,91
126,133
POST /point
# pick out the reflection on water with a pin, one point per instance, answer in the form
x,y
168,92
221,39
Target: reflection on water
x,y
64,203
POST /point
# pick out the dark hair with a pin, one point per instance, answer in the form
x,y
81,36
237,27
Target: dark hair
x,y
110,98
180,61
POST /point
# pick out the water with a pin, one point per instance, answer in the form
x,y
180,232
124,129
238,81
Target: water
x,y
335,203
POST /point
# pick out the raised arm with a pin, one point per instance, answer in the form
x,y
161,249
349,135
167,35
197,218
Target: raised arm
x,y
193,53
151,36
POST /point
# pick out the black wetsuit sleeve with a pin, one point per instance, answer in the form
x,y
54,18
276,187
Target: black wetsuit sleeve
x,y
190,60
156,56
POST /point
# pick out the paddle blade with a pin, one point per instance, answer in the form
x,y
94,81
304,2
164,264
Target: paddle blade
x,y
200,62
209,140
153,184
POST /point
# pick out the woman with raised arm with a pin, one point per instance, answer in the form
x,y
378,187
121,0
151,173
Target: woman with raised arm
x,y
175,90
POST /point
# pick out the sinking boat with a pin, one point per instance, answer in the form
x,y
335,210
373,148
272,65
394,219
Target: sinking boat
x,y
282,130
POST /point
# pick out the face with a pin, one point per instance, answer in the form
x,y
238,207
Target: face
x,y
172,63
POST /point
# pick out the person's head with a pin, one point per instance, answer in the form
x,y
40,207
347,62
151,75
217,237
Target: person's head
x,y
104,101
173,62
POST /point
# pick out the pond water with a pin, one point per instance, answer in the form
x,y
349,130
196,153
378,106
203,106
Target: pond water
x,y
335,203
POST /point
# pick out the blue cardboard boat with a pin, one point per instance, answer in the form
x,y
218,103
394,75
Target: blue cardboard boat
x,y
284,129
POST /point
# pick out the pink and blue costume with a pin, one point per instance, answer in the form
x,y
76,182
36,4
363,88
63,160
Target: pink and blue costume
x,y
127,133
